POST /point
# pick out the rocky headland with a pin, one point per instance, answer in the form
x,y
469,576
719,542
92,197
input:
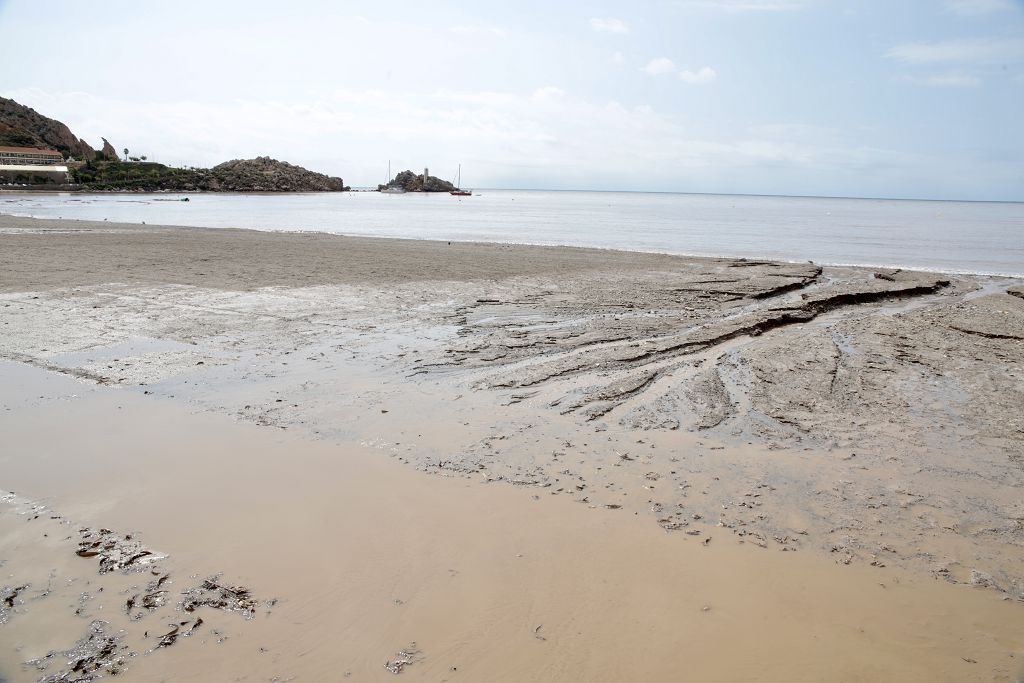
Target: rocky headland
x,y
103,171
412,182
22,126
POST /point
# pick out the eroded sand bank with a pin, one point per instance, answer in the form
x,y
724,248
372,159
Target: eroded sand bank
x,y
234,393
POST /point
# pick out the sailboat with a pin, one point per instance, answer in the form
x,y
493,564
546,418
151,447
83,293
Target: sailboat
x,y
391,189
458,191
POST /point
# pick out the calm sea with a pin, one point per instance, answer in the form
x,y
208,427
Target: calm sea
x,y
973,237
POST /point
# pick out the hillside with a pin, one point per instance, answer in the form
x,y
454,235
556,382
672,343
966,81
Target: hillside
x,y
22,126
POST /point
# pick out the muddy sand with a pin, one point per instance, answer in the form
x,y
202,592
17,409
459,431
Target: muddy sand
x,y
267,456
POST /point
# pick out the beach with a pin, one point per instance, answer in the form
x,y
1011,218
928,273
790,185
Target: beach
x,y
468,461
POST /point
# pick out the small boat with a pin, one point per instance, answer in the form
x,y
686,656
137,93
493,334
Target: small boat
x,y
391,189
458,191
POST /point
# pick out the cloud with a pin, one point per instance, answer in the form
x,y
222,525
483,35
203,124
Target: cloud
x,y
618,60
737,6
953,79
609,25
660,65
701,76
960,51
547,92
978,7
479,30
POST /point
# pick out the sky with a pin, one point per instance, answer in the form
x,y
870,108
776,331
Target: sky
x,y
869,98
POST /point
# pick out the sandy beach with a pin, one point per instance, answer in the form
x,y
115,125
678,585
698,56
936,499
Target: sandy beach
x,y
456,461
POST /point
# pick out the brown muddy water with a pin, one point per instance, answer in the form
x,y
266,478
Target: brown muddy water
x,y
358,562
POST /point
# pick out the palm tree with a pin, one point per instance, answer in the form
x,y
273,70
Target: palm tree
x,y
126,154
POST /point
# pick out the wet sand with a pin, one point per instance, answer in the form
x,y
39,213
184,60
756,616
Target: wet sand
x,y
366,557
600,514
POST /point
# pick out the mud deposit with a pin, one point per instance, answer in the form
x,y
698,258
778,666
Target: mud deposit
x,y
869,420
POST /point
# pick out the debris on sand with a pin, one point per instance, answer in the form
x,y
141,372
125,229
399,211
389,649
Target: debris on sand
x,y
154,596
403,658
178,630
115,553
8,598
96,655
210,593
100,654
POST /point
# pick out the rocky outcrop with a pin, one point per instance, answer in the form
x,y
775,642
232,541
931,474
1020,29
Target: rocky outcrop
x,y
411,182
264,174
249,175
22,126
109,153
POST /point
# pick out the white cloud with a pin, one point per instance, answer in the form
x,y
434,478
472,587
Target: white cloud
x,y
978,7
700,76
961,51
480,30
736,6
660,65
609,25
547,92
953,79
618,60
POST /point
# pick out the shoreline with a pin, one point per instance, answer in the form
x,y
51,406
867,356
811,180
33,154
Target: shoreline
x,y
552,245
369,188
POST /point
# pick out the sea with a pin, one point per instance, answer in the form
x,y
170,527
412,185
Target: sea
x,y
946,236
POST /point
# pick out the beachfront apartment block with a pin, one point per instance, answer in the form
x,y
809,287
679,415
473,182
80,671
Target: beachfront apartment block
x,y
30,156
30,165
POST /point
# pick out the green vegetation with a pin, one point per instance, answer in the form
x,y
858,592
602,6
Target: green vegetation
x,y
240,175
149,176
16,137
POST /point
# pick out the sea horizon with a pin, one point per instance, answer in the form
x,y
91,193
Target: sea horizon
x,y
369,188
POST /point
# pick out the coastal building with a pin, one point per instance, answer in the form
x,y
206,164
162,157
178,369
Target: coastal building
x,y
32,166
30,156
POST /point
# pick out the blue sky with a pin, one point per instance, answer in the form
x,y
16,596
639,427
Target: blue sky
x,y
902,98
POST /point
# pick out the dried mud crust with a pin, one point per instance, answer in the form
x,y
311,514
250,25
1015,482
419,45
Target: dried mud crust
x,y
672,329
903,383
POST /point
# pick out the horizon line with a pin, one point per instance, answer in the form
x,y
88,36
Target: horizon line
x,y
728,194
